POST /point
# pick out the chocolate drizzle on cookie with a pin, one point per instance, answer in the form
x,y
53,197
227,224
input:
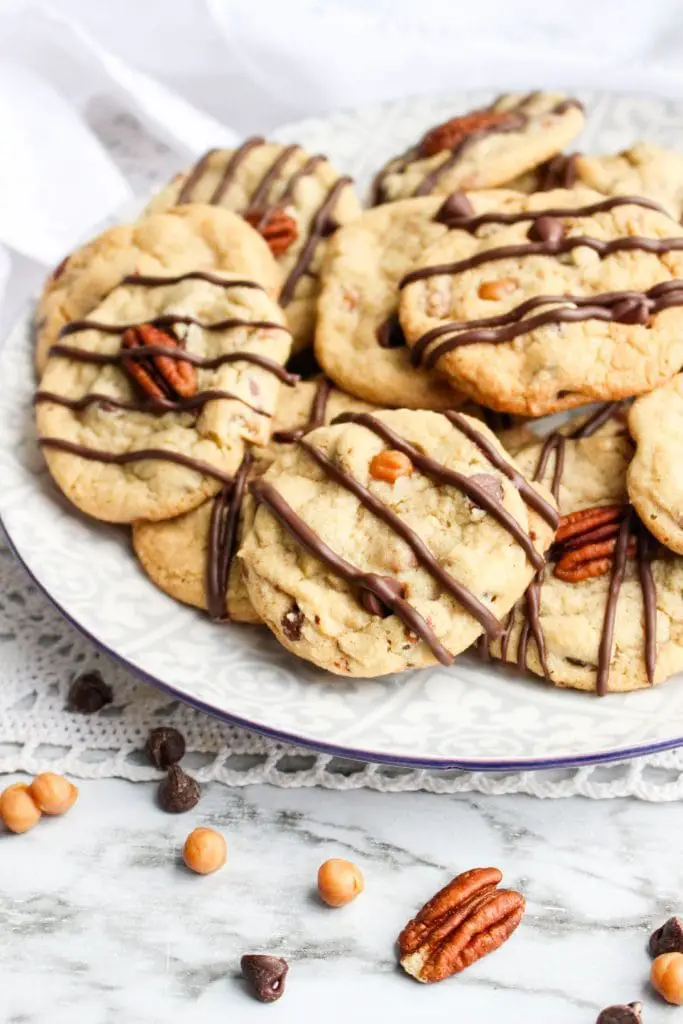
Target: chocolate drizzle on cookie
x,y
322,222
514,119
554,446
384,589
222,543
453,215
480,493
162,403
128,458
626,307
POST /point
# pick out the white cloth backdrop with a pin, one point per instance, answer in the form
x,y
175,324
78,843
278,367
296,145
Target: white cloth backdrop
x,y
99,101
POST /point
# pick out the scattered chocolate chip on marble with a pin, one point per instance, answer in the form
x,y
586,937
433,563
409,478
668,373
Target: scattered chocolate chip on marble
x,y
265,975
178,792
631,1013
667,939
165,746
89,693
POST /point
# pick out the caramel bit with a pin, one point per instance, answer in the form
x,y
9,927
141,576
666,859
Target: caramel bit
x,y
451,133
205,851
339,882
497,289
667,977
389,465
276,226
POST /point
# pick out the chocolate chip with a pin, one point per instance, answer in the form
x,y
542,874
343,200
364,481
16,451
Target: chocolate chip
x,y
165,746
546,229
668,938
89,693
291,622
178,792
622,1014
265,975
454,208
390,334
491,485
631,311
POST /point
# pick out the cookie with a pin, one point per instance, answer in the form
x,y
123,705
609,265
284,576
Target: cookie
x,y
655,484
187,238
390,541
643,170
191,557
295,200
484,148
145,407
607,615
358,341
572,299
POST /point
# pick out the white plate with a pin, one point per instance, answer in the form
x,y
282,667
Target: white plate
x,y
470,716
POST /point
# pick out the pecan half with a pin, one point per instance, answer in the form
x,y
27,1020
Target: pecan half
x,y
449,134
276,226
585,543
157,376
467,919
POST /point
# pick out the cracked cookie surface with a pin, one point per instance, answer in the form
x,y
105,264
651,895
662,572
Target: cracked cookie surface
x,y
347,626
162,454
483,148
551,311
187,238
260,180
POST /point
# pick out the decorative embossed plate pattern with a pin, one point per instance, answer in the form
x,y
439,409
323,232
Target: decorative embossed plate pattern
x,y
471,716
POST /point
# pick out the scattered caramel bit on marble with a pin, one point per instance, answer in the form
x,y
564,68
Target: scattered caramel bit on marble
x,y
497,289
18,810
339,882
205,851
52,793
666,976
389,465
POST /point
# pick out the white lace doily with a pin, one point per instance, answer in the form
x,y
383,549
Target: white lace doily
x,y
40,653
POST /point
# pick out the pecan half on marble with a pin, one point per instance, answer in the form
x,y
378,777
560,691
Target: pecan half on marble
x,y
585,543
465,921
276,226
451,133
157,376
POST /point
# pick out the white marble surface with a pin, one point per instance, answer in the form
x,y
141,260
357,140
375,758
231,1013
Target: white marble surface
x,y
101,924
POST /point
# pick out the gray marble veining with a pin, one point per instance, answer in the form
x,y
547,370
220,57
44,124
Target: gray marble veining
x,y
101,924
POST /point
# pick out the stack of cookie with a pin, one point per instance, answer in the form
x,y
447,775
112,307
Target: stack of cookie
x,y
390,514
